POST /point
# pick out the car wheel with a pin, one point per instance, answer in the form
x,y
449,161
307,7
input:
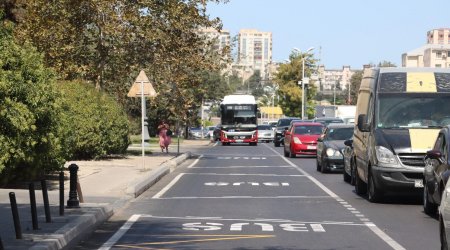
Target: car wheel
x,y
352,172
375,194
360,186
324,167
276,144
291,154
442,234
346,176
429,207
317,164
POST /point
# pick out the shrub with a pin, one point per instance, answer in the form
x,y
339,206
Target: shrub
x,y
30,141
95,123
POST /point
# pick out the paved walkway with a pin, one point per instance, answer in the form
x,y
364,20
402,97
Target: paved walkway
x,y
106,186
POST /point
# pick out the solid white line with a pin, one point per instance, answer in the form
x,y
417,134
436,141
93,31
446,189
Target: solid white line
x,y
116,237
372,226
195,162
234,174
160,193
247,167
243,197
384,236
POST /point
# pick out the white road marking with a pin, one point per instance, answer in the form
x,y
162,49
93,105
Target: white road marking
x,y
243,197
228,167
239,174
317,228
391,242
122,230
195,162
167,187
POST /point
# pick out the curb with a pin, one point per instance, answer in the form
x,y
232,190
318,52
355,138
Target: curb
x,y
155,175
95,214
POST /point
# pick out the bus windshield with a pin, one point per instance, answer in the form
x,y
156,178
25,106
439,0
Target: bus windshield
x,y
238,114
413,110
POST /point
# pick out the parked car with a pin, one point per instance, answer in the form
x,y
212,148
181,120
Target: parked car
x,y
349,164
216,133
444,217
301,139
328,120
210,131
281,127
330,146
265,133
198,133
436,172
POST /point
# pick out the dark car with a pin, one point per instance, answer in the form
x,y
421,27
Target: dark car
x,y
301,139
216,133
330,146
436,172
281,127
328,120
349,162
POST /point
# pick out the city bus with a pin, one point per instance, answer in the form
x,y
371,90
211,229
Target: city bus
x,y
238,115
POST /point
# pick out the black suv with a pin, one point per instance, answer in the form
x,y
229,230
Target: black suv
x,y
280,128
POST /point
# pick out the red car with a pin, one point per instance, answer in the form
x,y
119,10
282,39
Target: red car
x,y
301,139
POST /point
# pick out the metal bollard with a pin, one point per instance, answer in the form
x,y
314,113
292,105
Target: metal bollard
x,y
48,217
61,193
34,217
73,201
15,214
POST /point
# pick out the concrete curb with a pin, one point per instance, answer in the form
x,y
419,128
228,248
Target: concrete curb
x,y
94,214
145,182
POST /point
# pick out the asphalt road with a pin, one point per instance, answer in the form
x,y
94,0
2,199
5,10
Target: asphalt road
x,y
246,197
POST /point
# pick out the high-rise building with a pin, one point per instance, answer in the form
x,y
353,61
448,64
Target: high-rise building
x,y
254,52
434,54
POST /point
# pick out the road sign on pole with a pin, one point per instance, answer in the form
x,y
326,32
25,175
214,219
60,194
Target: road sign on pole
x,y
142,87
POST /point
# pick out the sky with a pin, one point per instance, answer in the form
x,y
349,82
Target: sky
x,y
342,32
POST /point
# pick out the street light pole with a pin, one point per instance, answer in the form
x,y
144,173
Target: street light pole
x,y
303,79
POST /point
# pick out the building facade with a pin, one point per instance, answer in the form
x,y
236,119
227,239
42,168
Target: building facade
x,y
434,54
254,52
330,80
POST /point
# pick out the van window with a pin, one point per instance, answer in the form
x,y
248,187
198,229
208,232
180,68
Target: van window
x,y
413,110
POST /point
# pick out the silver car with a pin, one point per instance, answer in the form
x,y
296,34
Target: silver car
x,y
265,133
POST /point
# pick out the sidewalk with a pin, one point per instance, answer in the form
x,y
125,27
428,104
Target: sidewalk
x,y
106,186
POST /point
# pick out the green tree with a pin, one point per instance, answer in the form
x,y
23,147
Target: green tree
x,y
290,93
355,82
31,138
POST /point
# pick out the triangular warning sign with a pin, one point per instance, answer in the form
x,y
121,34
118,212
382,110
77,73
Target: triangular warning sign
x,y
136,89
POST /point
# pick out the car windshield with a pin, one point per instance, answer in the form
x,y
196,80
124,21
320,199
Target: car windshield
x,y
308,130
284,122
413,110
337,134
264,127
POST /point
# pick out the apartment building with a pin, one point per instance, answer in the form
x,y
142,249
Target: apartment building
x,y
254,52
434,54
330,80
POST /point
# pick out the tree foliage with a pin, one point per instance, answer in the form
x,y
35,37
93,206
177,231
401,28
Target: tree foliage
x,y
95,124
30,134
290,93
107,43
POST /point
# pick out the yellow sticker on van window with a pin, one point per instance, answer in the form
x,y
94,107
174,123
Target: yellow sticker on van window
x,y
422,140
420,82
